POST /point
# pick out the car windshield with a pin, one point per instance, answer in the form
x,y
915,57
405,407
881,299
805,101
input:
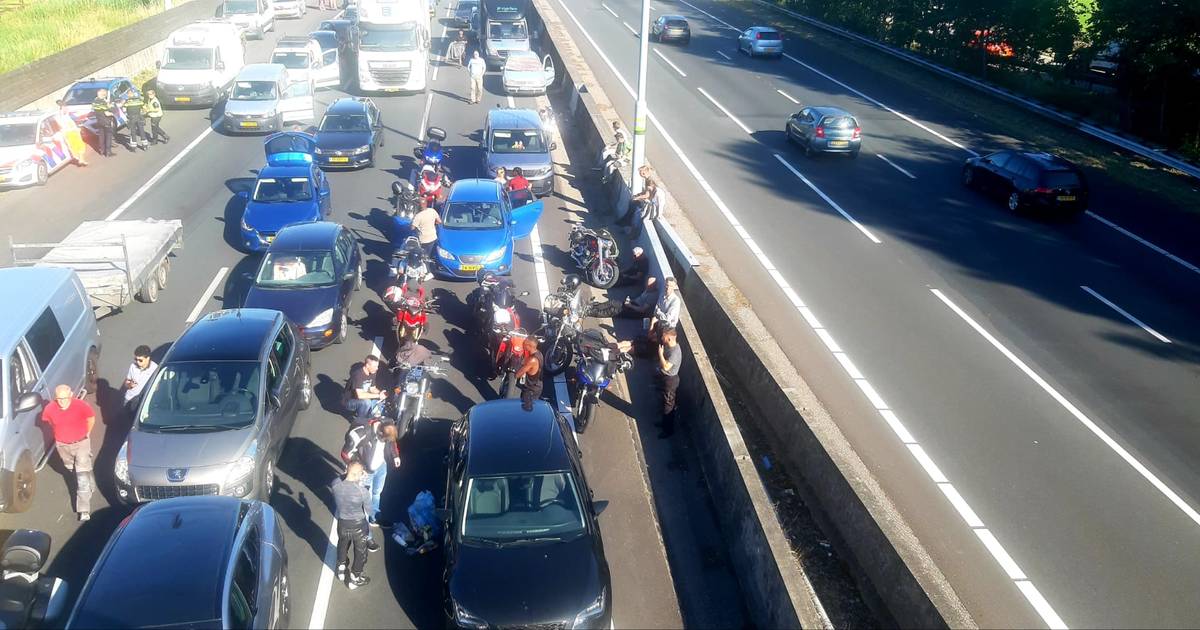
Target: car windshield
x,y
1060,179
291,60
82,95
388,37
522,507
473,215
517,141
188,59
506,30
345,122
296,269
15,135
254,91
233,7
286,190
523,63
202,396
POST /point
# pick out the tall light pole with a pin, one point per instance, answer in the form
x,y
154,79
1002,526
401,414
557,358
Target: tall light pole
x,y
639,108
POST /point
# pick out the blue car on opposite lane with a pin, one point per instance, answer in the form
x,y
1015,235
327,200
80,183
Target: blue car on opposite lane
x,y
289,189
479,225
310,273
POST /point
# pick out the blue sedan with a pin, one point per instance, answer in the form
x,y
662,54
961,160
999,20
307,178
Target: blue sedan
x,y
289,189
310,273
479,225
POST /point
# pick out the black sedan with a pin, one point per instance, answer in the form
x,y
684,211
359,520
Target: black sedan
x,y
465,13
671,28
523,548
349,133
1029,180
310,273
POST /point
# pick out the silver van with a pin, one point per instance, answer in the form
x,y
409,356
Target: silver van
x,y
266,97
49,338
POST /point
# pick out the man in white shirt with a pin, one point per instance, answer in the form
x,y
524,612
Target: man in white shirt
x,y
425,224
666,312
140,372
476,67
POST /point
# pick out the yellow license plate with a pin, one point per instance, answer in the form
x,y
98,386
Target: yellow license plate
x,y
249,123
183,99
838,143
339,160
1066,197
470,268
387,89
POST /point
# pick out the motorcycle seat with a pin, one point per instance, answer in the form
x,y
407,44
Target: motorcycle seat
x,y
25,551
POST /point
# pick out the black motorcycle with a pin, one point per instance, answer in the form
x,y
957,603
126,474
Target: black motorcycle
x,y
406,402
562,321
595,253
28,598
598,361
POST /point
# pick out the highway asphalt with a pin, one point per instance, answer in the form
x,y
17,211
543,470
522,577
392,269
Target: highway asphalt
x,y
195,178
1024,389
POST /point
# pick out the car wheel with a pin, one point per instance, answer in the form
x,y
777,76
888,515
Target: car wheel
x,y
306,391
787,133
687,40
268,482
91,370
808,150
285,602
22,485
968,177
43,174
343,329
1014,202
358,277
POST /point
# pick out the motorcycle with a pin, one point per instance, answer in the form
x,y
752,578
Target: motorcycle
x,y
407,400
29,598
432,186
562,322
409,262
598,361
595,253
405,206
412,314
492,302
509,355
431,177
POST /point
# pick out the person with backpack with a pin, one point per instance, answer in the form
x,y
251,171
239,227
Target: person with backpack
x,y
371,445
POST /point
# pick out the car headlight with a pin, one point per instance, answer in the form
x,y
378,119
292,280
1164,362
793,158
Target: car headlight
x,y
466,620
121,466
246,226
360,150
324,318
237,480
592,612
27,165
444,255
412,389
495,256
318,151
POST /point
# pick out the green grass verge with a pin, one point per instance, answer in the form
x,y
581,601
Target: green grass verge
x,y
45,27
1172,186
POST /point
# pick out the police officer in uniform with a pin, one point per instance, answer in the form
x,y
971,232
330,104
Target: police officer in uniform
x,y
136,121
102,112
154,112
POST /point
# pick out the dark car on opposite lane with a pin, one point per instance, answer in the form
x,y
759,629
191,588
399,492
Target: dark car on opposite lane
x,y
671,28
825,130
350,132
1029,180
310,273
523,548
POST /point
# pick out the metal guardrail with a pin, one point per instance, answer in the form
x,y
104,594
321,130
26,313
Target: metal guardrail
x,y
1077,122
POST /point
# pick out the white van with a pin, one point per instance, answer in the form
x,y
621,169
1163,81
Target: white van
x,y
253,17
199,63
49,338
264,97
303,59
393,45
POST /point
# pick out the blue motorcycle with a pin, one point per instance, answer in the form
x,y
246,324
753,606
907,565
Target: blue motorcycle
x,y
598,361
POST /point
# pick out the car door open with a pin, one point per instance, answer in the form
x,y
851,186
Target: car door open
x,y
548,70
297,102
524,219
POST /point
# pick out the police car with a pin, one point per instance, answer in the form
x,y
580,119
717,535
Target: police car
x,y
30,148
80,95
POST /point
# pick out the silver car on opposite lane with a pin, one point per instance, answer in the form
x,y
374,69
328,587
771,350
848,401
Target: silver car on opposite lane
x,y
760,41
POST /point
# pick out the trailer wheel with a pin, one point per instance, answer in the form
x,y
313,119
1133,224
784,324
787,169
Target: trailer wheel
x,y
149,292
160,275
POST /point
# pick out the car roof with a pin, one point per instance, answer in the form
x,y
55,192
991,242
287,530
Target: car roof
x,y
17,118
510,118
261,72
348,105
273,172
165,565
1048,161
310,236
237,334
475,190
103,82
829,110
504,438
25,292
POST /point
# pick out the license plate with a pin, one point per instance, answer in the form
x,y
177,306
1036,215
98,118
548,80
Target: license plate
x,y
249,123
839,143
3,179
339,160
390,89
470,268
183,99
1066,197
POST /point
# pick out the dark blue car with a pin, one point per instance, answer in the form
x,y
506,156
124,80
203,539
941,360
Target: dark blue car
x,y
289,189
479,225
310,273
349,133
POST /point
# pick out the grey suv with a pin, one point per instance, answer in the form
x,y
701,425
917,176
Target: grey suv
x,y
217,414
515,137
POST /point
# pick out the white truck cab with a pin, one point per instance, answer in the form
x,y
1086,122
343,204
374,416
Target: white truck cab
x,y
303,58
393,45
200,62
253,17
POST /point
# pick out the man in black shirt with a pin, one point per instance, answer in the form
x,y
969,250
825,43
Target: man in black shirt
x,y
670,356
362,397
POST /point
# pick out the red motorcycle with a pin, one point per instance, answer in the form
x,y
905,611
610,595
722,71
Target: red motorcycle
x,y
432,186
509,355
412,310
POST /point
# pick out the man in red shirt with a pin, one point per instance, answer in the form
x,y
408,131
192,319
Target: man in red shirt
x,y
71,420
517,181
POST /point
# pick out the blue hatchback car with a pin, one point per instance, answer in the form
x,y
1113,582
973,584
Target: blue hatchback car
x,y
310,273
289,189
479,225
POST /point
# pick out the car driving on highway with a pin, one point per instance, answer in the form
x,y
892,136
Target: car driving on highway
x,y
523,548
219,410
825,130
479,225
309,274
1030,180
289,189
671,28
760,41
349,133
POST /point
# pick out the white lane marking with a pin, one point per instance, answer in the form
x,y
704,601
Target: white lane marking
x,y
614,13
724,55
1126,314
1087,422
960,504
749,131
511,101
670,63
788,97
208,293
325,583
895,165
161,172
926,462
1187,265
833,204
998,552
631,29
1031,594
425,118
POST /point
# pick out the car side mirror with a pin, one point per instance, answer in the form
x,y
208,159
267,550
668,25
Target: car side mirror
x,y
598,507
29,401
274,400
349,275
523,294
244,194
443,514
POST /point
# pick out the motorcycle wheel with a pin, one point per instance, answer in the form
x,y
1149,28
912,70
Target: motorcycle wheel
x,y
506,385
587,413
558,357
604,274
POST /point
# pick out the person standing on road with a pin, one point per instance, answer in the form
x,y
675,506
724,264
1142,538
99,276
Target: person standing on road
x,y
372,446
350,507
476,67
501,177
361,397
136,122
518,181
531,369
670,357
102,113
154,112
140,372
71,421
425,223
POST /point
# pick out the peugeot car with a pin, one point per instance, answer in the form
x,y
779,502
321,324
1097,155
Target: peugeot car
x,y
515,137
